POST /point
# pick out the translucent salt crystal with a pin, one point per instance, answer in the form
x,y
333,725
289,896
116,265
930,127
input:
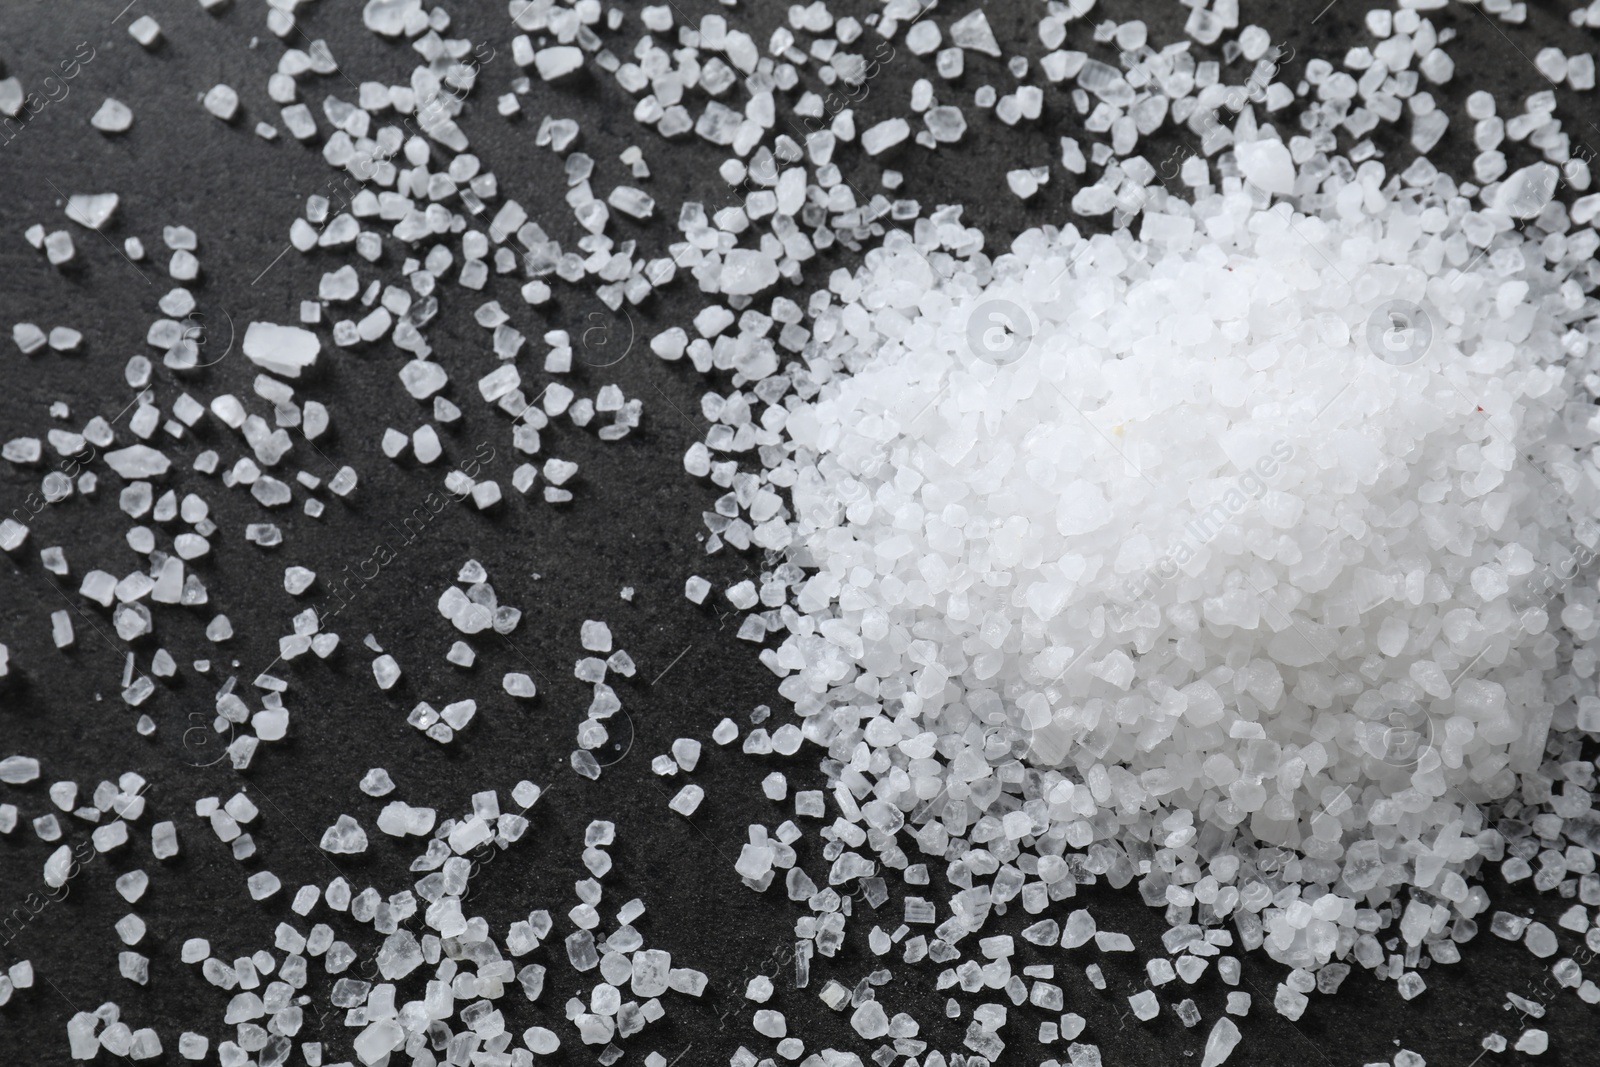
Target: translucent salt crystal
x,y
164,840
18,770
222,102
283,350
1541,940
145,30
585,764
386,671
377,783
696,589
541,1041
748,271
138,461
1145,1005
726,731
687,799
870,1021
91,209
686,752
885,135
1220,1043
596,636
520,685
557,62
1410,985
263,884
130,928
1267,165
344,837
1534,1042
1524,193
1290,1004
972,32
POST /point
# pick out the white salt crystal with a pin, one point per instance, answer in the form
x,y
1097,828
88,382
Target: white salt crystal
x,y
283,350
386,671
145,30
885,135
687,799
1267,164
222,102
1221,1042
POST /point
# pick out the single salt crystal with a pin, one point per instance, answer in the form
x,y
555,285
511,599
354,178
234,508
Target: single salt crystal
x,y
344,837
1220,1043
145,30
631,201
557,62
726,731
1267,165
870,1021
519,685
377,783
91,209
164,840
1145,1005
585,764
1541,940
595,636
138,462
1534,1042
687,800
696,589
885,135
222,102
1524,193
1238,1003
541,1041
18,770
84,1045
972,32
386,671
1290,1003
130,928
747,271
132,887
58,247
686,751
263,884
283,350
1079,929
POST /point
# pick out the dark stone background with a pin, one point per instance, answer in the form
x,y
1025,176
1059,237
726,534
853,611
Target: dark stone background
x,y
636,521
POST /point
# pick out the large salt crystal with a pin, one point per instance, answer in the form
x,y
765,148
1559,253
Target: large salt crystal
x,y
391,18
1267,164
746,272
1524,193
283,350
344,837
91,209
138,462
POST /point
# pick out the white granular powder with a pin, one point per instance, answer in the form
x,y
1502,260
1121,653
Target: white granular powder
x,y
1235,531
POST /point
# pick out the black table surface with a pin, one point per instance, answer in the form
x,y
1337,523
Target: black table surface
x,y
635,521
